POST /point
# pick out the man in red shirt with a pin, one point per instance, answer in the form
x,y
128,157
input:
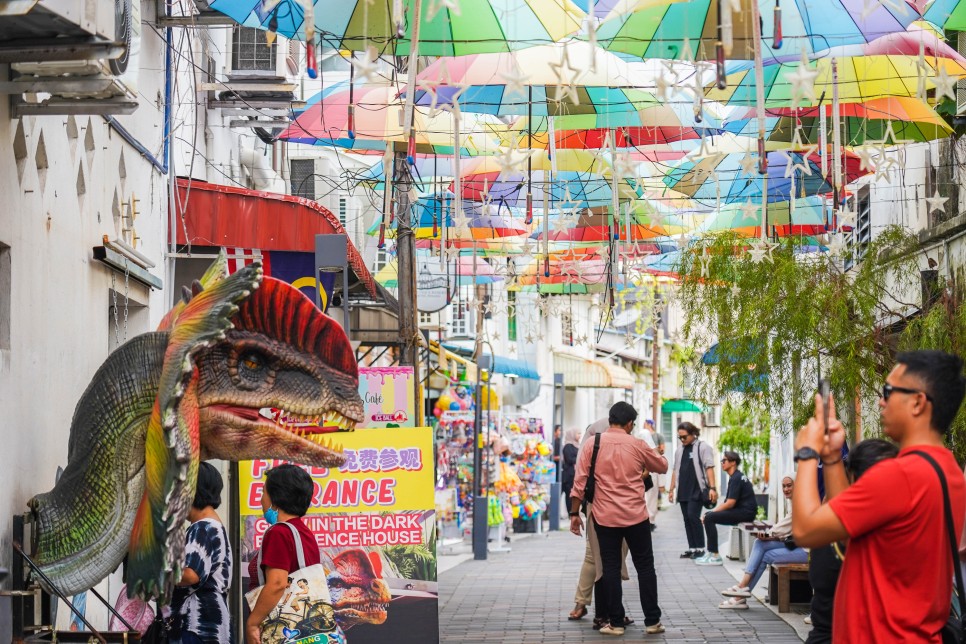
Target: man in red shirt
x,y
896,581
620,514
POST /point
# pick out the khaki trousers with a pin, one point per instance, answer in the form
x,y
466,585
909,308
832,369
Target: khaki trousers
x,y
591,570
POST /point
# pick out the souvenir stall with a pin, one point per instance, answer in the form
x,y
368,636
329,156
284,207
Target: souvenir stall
x,y
531,460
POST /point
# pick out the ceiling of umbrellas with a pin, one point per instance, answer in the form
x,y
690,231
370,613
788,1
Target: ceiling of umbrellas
x,y
581,147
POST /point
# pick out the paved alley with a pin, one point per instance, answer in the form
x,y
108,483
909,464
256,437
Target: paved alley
x,y
524,596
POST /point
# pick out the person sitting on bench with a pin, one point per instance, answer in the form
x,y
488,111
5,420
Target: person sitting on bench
x,y
773,546
739,506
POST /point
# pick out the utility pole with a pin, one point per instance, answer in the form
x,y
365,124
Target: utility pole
x,y
656,363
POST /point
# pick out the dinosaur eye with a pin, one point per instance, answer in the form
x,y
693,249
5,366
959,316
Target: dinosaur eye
x,y
251,369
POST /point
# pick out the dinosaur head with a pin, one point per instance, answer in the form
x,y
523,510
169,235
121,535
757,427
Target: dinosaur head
x,y
359,595
283,377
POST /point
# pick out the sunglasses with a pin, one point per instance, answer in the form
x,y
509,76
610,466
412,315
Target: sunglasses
x,y
683,437
726,460
888,390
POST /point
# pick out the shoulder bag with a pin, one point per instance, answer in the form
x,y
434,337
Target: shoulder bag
x,y
954,629
304,610
706,490
591,486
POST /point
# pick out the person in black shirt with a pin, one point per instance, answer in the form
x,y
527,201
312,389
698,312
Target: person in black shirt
x,y
693,472
738,506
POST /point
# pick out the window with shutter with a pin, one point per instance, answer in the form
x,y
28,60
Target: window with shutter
x,y
250,51
303,178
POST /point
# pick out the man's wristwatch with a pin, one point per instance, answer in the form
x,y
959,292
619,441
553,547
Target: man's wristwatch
x,y
575,514
806,454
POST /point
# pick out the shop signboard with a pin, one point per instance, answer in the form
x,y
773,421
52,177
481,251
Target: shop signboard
x,y
375,525
389,396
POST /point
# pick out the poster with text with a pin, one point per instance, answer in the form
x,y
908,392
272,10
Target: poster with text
x,y
389,396
374,522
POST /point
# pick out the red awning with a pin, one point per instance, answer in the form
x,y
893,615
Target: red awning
x,y
227,216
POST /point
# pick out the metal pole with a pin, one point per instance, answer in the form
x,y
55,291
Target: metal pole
x,y
558,418
480,501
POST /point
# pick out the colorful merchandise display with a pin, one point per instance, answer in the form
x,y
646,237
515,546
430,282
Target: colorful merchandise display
x,y
530,458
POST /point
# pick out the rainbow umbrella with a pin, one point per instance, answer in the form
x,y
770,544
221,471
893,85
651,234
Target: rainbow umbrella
x,y
453,29
464,270
579,273
860,79
564,78
376,115
706,179
807,218
597,227
911,120
483,222
947,14
663,31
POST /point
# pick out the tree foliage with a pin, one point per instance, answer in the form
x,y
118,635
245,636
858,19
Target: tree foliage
x,y
745,429
780,321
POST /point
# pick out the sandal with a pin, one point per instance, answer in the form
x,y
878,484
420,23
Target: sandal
x,y
600,621
577,614
736,591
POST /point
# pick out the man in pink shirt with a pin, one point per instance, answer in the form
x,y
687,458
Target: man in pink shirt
x,y
620,513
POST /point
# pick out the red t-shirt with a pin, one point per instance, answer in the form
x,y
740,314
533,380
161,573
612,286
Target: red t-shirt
x,y
896,581
278,550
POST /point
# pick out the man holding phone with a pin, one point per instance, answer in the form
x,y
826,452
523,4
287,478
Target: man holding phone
x,y
894,514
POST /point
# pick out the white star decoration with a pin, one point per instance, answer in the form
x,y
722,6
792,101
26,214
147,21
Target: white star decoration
x,y
836,245
803,82
512,157
847,217
566,80
562,223
761,251
735,290
871,6
452,252
749,210
804,165
748,164
432,86
516,82
935,202
367,67
945,84
864,152
435,6
704,151
661,86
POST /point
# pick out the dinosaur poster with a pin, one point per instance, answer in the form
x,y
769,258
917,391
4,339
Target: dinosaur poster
x,y
374,521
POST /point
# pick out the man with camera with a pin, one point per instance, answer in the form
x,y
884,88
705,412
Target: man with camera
x,y
609,474
896,580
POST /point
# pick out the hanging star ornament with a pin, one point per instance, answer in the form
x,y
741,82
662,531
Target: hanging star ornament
x,y
735,291
847,217
562,224
935,202
432,87
836,244
749,210
760,251
566,76
366,68
516,82
512,157
945,84
803,82
749,164
802,165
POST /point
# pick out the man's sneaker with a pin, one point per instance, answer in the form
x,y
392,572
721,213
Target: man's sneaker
x,y
607,629
736,591
697,554
687,554
654,629
734,604
710,559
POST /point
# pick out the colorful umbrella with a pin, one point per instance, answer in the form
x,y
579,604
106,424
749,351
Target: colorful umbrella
x,y
376,117
564,78
464,270
453,29
482,222
807,218
860,79
598,227
910,118
663,31
947,14
705,179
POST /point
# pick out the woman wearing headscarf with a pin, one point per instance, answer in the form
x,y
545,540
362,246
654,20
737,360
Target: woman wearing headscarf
x,y
570,450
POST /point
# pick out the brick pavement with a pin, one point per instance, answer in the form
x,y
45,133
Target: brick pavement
x,y
524,596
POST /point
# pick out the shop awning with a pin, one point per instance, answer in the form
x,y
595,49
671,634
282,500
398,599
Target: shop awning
x,y
678,405
579,371
501,364
232,217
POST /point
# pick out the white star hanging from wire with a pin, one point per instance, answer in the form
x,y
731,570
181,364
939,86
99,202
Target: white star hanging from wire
x,y
367,67
847,217
567,76
568,206
748,164
705,151
735,291
526,249
461,223
562,223
705,260
761,251
433,85
935,202
452,251
836,245
662,84
864,152
749,211
945,84
591,37
625,166
803,82
895,6
435,6
512,157
681,240
794,165
516,82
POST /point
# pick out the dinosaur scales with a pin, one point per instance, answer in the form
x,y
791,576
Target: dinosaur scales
x,y
194,389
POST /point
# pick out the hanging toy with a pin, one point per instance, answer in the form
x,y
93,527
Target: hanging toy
x,y
272,32
411,149
529,218
778,40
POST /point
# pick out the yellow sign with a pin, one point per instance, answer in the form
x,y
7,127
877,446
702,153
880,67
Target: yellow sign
x,y
387,470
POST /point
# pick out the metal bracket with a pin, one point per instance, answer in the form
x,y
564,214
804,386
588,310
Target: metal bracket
x,y
23,51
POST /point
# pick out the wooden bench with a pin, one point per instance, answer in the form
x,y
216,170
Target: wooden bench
x,y
780,578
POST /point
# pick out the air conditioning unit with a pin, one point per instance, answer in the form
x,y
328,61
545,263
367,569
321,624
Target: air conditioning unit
x,y
711,417
73,56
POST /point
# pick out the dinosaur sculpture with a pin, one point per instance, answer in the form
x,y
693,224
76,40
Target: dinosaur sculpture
x,y
359,595
197,388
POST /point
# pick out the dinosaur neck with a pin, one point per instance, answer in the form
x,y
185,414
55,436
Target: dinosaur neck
x,y
83,524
